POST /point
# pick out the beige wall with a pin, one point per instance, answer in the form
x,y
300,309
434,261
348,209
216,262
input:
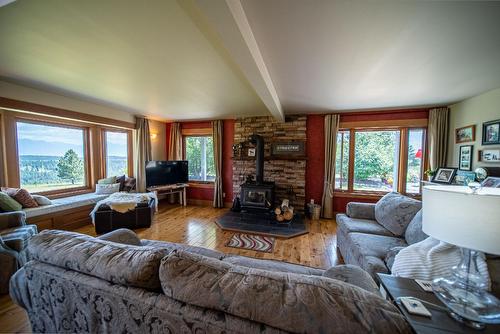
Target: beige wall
x,y
476,110
22,93
158,144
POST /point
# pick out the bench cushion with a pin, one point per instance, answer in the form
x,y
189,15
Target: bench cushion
x,y
65,203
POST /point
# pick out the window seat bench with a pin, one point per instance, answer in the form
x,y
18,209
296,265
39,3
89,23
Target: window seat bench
x,y
64,213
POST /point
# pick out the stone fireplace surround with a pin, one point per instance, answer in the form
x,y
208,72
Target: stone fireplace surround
x,y
288,175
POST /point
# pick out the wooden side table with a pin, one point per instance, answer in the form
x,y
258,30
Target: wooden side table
x,y
393,287
179,188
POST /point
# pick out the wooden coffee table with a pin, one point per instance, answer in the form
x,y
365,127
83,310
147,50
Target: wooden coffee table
x,y
394,287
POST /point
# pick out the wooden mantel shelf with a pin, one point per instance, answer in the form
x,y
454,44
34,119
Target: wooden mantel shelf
x,y
269,158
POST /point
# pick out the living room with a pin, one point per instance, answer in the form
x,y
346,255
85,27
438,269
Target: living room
x,y
166,167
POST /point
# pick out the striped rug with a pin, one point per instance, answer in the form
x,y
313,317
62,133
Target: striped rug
x,y
257,243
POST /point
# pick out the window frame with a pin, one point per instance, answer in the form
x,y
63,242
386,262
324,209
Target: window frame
x,y
198,132
86,152
402,163
130,160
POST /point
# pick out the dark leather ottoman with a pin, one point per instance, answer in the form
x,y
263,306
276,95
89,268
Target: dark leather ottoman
x,y
107,220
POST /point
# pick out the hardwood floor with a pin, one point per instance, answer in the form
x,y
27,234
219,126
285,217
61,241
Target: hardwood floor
x,y
196,226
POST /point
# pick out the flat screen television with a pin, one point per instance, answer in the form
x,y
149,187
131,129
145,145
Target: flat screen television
x,y
160,173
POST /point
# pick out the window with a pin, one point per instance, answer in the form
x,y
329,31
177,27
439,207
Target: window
x,y
51,157
383,160
342,160
376,156
116,148
414,160
199,152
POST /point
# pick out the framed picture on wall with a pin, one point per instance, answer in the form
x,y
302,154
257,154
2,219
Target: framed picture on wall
x,y
465,158
465,134
491,132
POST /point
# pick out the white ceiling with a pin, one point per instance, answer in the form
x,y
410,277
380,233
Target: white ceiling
x,y
341,55
151,59
202,59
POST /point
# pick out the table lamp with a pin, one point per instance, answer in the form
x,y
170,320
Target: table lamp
x,y
470,219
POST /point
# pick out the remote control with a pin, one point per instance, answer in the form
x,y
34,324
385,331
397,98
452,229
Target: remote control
x,y
414,306
425,285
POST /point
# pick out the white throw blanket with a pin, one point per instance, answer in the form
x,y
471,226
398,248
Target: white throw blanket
x,y
430,259
124,201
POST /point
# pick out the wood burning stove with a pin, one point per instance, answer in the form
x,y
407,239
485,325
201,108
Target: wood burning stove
x,y
258,194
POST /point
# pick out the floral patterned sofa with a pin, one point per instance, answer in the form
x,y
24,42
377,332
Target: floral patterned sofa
x,y
118,283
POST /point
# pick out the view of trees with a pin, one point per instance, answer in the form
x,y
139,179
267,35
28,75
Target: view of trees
x,y
200,154
70,167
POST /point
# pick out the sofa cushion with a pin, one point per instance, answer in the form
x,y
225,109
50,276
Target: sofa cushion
x,y
414,231
271,265
171,246
395,211
9,204
122,236
291,302
17,238
114,262
346,225
353,275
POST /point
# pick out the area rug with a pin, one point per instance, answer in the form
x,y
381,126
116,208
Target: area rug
x,y
257,243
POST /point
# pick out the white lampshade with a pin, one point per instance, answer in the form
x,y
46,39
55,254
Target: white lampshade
x,y
456,215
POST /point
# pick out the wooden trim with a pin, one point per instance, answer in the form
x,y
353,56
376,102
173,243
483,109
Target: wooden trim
x,y
200,184
358,194
350,170
403,160
197,132
385,124
22,106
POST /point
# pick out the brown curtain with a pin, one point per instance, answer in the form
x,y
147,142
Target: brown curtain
x,y
142,151
217,127
175,142
331,129
438,137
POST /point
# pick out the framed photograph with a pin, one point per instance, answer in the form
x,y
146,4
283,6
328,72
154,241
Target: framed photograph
x,y
465,158
464,178
444,175
465,134
288,149
489,155
491,133
251,152
491,182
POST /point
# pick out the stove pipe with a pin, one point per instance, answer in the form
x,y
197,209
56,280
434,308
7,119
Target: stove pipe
x,y
258,141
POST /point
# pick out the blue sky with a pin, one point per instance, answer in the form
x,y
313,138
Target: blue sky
x,y
37,139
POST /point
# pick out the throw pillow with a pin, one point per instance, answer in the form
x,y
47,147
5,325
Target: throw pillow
x,y
23,197
108,180
106,189
41,200
395,211
122,236
353,275
414,231
129,184
9,191
8,204
121,181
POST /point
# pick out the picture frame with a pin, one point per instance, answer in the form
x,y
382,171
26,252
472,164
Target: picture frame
x,y
444,175
465,157
288,149
491,133
251,152
465,134
491,182
489,155
464,177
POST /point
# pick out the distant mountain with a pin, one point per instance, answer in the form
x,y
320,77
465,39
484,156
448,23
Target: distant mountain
x,y
45,148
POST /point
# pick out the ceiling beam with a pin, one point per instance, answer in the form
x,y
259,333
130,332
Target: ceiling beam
x,y
229,20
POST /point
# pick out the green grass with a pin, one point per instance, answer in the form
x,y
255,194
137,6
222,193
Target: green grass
x,y
37,188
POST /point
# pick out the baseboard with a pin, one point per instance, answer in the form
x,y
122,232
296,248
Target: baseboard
x,y
206,202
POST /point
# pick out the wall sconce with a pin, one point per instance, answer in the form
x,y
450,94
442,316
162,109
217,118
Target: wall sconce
x,y
153,135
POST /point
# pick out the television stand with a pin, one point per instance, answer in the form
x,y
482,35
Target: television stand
x,y
179,188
